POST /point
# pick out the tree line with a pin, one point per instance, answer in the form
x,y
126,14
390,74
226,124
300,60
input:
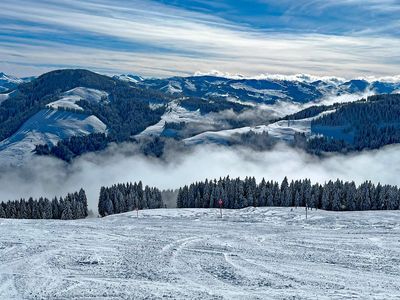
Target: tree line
x,y
123,197
333,195
73,206
235,193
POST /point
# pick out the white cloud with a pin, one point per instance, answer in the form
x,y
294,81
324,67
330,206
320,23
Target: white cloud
x,y
185,42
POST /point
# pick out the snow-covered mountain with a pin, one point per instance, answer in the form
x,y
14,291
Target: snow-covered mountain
x,y
65,103
196,109
268,90
69,99
129,78
59,120
8,82
48,126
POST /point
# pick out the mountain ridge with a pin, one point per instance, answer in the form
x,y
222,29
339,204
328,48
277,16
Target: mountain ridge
x,y
132,108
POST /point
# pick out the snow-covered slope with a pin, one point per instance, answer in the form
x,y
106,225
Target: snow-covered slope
x,y
282,130
254,253
69,98
176,114
48,126
129,78
8,82
4,97
269,89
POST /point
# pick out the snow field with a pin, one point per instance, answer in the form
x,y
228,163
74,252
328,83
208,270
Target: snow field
x,y
253,253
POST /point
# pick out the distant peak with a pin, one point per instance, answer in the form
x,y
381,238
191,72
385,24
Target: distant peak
x,y
301,77
296,77
129,77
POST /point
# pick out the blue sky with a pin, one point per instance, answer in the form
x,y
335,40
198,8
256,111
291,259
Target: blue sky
x,y
347,38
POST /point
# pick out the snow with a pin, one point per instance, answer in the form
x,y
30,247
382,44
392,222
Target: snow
x,y
254,253
129,78
266,92
10,79
46,127
69,98
307,78
174,87
190,86
4,97
175,114
283,130
154,106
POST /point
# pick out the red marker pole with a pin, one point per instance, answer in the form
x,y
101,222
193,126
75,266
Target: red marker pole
x,y
220,202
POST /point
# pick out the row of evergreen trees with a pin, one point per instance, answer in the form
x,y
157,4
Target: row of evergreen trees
x,y
235,193
121,198
73,206
337,196
366,124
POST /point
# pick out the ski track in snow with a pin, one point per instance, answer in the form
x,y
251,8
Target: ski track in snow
x,y
254,253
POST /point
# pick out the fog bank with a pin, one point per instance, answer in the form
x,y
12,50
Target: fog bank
x,y
50,177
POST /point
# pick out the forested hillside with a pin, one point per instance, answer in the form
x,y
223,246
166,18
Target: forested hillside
x,y
211,104
32,96
337,196
367,124
73,206
126,112
181,108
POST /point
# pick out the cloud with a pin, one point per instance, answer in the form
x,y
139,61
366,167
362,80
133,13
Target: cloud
x,y
156,39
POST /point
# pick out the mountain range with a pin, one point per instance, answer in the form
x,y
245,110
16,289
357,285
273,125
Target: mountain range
x,y
46,112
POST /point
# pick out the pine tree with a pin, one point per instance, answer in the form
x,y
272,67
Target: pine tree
x,y
325,199
84,202
67,212
336,199
2,212
284,199
47,209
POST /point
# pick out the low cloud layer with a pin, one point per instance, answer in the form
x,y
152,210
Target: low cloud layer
x,y
50,177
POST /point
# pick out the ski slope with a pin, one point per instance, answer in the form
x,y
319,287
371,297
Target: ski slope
x,y
263,253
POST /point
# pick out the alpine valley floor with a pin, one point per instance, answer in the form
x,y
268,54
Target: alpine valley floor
x,y
254,253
